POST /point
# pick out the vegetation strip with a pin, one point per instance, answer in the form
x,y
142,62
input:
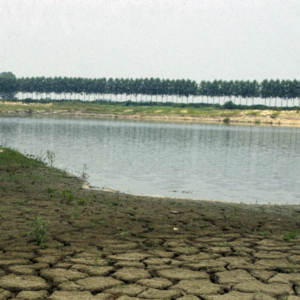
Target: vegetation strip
x,y
283,90
59,241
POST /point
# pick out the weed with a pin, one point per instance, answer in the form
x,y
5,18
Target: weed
x,y
101,218
51,190
131,212
257,122
76,214
20,202
265,234
223,244
151,228
40,230
290,235
259,296
111,262
68,195
113,203
81,201
51,158
189,249
83,174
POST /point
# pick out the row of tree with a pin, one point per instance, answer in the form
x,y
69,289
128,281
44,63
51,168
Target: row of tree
x,y
66,87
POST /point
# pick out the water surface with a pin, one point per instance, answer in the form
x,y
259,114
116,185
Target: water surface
x,y
200,161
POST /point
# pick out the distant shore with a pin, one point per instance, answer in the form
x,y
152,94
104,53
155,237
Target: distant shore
x,y
159,112
264,117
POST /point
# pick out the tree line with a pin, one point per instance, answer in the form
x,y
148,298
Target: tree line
x,y
67,87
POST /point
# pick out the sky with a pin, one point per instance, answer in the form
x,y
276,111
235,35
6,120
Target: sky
x,y
170,39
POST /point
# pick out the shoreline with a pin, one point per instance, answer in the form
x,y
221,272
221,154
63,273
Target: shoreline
x,y
265,118
270,208
61,241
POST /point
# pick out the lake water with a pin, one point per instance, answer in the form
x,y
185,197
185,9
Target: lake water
x,y
231,163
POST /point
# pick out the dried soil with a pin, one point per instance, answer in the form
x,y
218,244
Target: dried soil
x,y
104,245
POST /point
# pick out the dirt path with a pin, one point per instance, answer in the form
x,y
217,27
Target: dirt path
x,y
104,245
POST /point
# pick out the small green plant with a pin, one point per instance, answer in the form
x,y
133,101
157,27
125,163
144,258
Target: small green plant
x,y
290,235
40,230
259,296
111,262
265,234
68,195
76,214
20,202
131,212
190,249
226,120
51,158
223,244
81,201
51,190
113,203
257,122
150,227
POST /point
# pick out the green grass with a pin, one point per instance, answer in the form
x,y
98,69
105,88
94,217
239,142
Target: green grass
x,y
12,157
290,235
68,195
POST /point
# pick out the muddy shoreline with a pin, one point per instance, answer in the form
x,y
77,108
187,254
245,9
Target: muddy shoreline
x,y
109,245
291,118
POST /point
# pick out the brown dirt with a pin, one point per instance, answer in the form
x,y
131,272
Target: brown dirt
x,y
119,246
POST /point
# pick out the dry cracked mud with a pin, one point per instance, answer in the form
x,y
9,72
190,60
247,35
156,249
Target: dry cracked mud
x,y
105,246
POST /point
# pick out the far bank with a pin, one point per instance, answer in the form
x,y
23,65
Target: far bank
x,y
205,114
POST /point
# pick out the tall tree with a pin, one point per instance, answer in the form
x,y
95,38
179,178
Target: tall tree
x,y
8,85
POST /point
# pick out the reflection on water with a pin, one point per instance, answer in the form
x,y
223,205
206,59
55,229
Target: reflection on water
x,y
199,161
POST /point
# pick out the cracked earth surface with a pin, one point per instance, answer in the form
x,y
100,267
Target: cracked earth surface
x,y
118,246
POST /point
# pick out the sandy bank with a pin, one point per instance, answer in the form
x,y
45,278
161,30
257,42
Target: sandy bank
x,y
257,117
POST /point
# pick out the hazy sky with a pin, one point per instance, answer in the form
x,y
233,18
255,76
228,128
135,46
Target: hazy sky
x,y
175,39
